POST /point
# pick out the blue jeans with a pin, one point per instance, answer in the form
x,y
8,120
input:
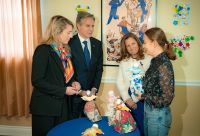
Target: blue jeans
x,y
157,121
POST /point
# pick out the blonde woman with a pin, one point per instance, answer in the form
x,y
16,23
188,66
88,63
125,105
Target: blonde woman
x,y
52,78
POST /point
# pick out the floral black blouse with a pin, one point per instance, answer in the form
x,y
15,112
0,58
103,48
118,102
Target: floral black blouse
x,y
158,83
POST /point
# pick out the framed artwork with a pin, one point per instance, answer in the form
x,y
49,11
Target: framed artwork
x,y
120,17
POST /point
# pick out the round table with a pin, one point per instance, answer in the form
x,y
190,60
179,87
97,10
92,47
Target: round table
x,y
77,126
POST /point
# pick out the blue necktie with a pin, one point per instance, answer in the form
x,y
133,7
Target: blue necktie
x,y
86,53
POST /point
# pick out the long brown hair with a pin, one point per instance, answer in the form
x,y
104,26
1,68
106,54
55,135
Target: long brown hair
x,y
158,35
123,51
56,26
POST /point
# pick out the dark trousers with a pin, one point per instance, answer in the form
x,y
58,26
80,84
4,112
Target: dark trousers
x,y
138,115
78,107
42,124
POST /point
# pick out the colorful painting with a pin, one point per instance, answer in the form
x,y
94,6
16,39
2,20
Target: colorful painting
x,y
120,17
182,14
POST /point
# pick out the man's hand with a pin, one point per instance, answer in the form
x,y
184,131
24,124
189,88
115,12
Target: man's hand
x,y
93,91
83,93
131,103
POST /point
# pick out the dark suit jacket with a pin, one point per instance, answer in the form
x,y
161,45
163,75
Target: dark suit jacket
x,y
48,83
87,77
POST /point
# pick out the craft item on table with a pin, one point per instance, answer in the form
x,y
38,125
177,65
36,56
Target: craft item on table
x,y
182,14
136,76
110,107
123,120
91,111
93,131
88,97
119,115
90,108
180,44
119,105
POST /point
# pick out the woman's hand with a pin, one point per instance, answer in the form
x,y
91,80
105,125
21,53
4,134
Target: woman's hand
x,y
139,96
76,85
70,90
131,103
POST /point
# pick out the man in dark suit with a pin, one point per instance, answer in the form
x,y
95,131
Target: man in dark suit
x,y
87,57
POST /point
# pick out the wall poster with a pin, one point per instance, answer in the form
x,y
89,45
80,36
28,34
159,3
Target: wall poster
x,y
120,17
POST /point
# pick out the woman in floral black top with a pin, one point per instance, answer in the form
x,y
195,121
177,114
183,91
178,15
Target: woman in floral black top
x,y
158,83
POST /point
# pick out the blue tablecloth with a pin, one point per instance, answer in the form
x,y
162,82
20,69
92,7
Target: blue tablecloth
x,y
77,126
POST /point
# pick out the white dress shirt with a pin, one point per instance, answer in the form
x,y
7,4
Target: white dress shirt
x,y
83,45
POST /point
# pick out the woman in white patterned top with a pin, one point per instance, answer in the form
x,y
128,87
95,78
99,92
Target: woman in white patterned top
x,y
133,64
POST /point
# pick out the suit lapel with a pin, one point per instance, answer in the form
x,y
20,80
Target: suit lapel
x,y
93,52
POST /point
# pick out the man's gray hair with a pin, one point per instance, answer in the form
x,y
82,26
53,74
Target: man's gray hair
x,y
81,15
